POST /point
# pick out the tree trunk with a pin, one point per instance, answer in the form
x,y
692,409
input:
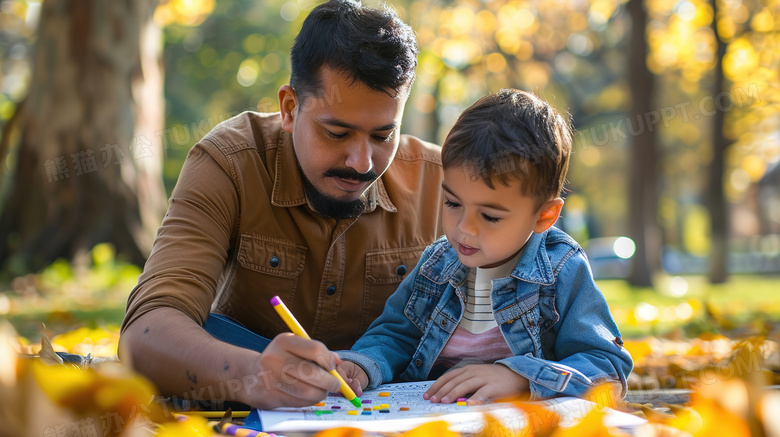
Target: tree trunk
x,y
88,156
716,199
643,178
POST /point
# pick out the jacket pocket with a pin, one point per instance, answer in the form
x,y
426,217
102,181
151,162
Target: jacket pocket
x,y
385,270
522,320
273,257
531,317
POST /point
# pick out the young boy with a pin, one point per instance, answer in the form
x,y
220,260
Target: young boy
x,y
505,303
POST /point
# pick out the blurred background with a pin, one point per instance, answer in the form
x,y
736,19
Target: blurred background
x,y
675,185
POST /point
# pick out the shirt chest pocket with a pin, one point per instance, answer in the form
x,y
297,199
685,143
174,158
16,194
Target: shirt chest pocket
x,y
279,262
385,270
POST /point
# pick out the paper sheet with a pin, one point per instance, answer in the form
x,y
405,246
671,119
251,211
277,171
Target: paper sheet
x,y
400,407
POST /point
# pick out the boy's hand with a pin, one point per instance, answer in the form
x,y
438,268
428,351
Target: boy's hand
x,y
485,381
353,375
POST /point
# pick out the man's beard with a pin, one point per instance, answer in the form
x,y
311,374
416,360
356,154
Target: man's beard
x,y
330,206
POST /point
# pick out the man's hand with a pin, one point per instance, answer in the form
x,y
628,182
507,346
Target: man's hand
x,y
292,372
183,360
485,381
354,376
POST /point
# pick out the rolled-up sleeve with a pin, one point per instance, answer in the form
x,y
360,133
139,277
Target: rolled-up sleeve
x,y
193,241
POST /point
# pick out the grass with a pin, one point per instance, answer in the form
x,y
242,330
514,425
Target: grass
x,y
691,304
28,324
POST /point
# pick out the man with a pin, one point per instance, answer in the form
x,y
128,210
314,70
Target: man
x,y
304,204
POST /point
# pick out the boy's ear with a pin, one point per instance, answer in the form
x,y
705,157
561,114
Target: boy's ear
x,y
288,102
548,214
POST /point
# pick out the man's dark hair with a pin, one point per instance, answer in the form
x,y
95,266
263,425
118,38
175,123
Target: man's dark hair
x,y
512,134
372,46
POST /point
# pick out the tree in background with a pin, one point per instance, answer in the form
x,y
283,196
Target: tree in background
x,y
715,196
82,145
644,171
222,57
722,136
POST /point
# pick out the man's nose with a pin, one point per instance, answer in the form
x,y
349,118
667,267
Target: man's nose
x,y
359,157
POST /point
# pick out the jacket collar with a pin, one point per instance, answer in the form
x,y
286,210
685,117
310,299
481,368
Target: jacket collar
x,y
288,185
533,266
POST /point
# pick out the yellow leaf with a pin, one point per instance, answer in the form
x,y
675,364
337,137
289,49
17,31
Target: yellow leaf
x,y
494,427
540,419
438,428
60,382
639,349
340,432
83,341
110,387
687,420
717,420
592,425
604,396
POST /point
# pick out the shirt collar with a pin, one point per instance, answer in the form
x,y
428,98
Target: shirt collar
x,y
288,185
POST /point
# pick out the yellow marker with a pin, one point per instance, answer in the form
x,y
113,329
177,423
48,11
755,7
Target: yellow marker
x,y
462,404
384,406
297,329
352,412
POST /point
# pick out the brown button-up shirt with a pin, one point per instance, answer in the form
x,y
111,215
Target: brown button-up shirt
x,y
239,230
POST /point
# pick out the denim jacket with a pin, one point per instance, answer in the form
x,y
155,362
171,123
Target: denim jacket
x,y
549,310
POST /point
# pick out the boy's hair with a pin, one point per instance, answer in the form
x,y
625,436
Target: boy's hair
x,y
372,46
512,134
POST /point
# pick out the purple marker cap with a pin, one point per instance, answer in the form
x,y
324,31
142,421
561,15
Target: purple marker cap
x,y
275,301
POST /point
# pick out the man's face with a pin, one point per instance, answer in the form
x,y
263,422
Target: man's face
x,y
344,139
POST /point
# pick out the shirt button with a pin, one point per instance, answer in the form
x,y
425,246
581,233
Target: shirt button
x,y
331,290
418,362
401,270
274,262
443,323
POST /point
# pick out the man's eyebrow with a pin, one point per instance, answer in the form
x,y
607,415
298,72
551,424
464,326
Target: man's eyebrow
x,y
335,122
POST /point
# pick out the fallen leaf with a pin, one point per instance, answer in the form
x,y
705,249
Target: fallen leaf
x,y
437,428
340,432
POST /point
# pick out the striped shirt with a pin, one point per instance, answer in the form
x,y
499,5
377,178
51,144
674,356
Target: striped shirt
x,y
478,339
478,311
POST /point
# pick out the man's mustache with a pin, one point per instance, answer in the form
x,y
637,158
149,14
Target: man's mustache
x,y
351,174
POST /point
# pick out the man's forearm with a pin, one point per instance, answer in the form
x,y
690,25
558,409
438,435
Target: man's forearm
x,y
183,360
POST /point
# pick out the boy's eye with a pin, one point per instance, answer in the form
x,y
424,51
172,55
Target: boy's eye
x,y
490,219
451,204
382,139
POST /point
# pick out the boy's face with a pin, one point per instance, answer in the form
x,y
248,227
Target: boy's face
x,y
486,226
344,139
